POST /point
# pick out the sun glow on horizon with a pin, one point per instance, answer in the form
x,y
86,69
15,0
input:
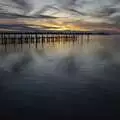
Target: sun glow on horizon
x,y
58,24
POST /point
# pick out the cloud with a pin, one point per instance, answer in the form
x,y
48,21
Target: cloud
x,y
104,12
17,27
76,12
44,27
115,1
66,3
9,6
116,20
24,5
12,16
91,13
43,17
47,8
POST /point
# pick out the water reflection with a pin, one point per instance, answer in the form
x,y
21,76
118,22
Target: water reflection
x,y
56,42
62,79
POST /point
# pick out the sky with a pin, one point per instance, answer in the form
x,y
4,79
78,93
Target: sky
x,y
83,15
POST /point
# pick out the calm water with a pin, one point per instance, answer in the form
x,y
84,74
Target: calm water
x,y
61,80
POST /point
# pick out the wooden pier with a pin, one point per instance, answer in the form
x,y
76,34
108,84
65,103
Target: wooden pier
x,y
44,36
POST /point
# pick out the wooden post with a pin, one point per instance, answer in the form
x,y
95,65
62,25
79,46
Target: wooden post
x,y
5,40
88,38
14,39
82,39
36,39
2,38
29,39
21,40
42,40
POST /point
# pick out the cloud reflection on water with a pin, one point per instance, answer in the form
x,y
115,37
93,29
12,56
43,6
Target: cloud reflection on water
x,y
78,79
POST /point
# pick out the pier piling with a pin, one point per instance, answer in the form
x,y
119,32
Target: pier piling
x,y
41,37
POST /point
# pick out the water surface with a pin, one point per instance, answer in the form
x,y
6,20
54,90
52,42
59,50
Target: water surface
x,y
61,80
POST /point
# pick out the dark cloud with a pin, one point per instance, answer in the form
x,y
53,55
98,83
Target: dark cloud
x,y
66,3
104,12
70,7
115,1
74,3
8,5
17,27
108,11
75,12
43,17
116,20
47,8
12,7
24,4
12,16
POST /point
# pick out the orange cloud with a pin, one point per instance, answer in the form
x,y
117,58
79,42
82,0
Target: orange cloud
x,y
54,24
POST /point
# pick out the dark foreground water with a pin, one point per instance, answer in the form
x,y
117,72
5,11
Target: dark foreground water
x,y
61,80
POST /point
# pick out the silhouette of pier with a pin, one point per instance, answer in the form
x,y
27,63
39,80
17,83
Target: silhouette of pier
x,y
41,37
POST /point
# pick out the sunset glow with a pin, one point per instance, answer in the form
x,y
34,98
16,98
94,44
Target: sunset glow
x,y
58,24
